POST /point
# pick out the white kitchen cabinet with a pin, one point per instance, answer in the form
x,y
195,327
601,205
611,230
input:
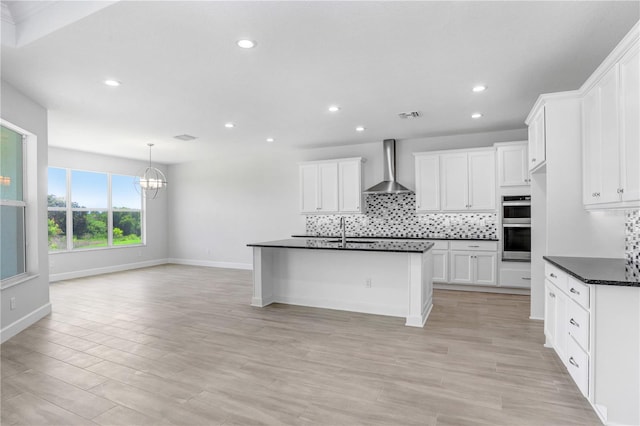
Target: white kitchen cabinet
x,y
461,264
537,140
567,323
427,168
468,180
455,181
482,180
331,186
555,328
468,267
440,265
601,145
515,274
630,124
513,169
350,186
611,136
473,262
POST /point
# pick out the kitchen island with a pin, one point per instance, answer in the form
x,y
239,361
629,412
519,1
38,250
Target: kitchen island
x,y
376,277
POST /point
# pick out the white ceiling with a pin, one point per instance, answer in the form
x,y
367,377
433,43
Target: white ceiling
x,y
183,73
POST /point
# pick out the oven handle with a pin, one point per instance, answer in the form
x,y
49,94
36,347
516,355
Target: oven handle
x,y
516,225
516,203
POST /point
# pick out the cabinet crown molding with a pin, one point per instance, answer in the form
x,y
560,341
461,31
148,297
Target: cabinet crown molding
x,y
364,160
629,41
454,151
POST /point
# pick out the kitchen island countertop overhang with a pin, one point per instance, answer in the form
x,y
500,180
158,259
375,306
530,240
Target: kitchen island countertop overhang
x,y
379,277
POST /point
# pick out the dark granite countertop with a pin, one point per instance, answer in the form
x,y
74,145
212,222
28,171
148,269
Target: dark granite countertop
x,y
326,244
598,270
394,238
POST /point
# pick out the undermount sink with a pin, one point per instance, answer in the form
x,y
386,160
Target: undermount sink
x,y
353,241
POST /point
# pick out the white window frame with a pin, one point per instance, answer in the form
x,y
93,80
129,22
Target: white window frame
x,y
109,210
30,203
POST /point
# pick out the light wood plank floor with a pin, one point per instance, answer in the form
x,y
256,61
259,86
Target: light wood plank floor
x,y
181,345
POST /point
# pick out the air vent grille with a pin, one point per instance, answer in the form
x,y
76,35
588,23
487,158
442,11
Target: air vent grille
x,y
410,114
185,137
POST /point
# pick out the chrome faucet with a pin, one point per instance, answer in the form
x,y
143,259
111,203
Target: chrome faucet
x,y
343,230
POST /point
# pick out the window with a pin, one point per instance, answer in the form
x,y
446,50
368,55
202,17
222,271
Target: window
x,y
12,204
92,210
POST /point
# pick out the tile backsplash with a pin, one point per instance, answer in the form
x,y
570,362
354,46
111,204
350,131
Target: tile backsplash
x,y
632,243
394,215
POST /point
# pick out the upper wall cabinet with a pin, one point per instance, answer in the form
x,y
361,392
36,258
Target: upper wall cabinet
x,y
427,182
611,136
537,140
331,186
455,180
513,169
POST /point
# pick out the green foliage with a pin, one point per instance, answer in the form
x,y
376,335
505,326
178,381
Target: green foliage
x,y
54,228
117,233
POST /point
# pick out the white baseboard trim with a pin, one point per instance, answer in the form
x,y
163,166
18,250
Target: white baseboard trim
x,y
343,305
105,270
31,318
210,263
482,289
536,318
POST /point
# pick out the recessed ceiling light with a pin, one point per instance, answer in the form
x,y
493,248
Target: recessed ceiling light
x,y
359,129
270,140
229,125
112,83
476,115
479,88
334,108
246,44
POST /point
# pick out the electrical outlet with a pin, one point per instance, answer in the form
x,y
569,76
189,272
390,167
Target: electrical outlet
x,y
368,283
12,303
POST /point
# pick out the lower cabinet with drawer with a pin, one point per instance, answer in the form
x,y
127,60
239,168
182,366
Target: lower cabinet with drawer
x,y
595,330
567,324
473,262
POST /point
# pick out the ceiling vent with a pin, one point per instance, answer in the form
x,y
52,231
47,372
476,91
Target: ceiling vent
x,y
411,114
185,137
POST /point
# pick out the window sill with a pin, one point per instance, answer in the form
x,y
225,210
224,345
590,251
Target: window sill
x,y
79,250
14,281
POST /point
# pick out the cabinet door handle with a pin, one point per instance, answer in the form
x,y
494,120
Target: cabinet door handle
x,y
574,291
573,322
526,278
533,160
552,275
573,362
552,295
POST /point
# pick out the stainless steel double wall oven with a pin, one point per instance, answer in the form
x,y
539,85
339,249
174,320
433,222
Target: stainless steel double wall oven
x,y
516,227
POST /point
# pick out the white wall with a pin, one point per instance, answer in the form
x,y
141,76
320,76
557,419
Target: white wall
x,y
220,204
32,296
65,265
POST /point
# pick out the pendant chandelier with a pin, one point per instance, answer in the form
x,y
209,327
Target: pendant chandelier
x,y
150,181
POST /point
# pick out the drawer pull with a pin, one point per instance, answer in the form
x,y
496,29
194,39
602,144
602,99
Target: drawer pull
x,y
552,295
573,362
552,275
574,291
526,278
573,322
475,246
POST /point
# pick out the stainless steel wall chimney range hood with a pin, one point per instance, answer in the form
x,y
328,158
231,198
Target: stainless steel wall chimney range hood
x,y
389,184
